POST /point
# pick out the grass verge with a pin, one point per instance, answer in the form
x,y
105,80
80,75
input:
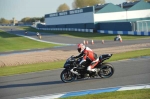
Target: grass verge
x,y
130,94
95,36
9,42
4,71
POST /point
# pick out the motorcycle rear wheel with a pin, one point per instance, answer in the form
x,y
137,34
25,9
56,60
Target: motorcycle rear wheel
x,y
106,70
67,76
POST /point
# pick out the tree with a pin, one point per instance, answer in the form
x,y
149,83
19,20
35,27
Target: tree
x,y
33,19
4,21
42,19
84,3
26,19
63,7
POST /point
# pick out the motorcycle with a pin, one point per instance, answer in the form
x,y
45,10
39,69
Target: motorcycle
x,y
103,70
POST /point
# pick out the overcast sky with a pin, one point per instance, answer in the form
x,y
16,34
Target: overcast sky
x,y
34,8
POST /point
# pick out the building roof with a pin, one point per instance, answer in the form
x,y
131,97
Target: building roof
x,y
100,6
127,5
136,5
106,8
141,5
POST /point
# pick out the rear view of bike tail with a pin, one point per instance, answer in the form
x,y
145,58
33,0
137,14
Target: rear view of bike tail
x,y
106,70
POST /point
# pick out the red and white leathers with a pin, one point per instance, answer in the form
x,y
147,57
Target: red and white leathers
x,y
88,54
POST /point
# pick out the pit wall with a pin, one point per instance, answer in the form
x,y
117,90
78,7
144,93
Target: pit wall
x,y
67,29
124,32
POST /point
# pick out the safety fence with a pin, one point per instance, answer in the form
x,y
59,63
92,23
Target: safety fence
x,y
125,32
67,29
99,31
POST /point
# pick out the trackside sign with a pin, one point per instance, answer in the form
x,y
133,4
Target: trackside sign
x,y
70,12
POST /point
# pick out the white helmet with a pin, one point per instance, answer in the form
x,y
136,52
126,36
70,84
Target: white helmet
x,y
81,47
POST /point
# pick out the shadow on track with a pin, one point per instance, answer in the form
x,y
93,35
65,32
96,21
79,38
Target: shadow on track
x,y
31,84
45,83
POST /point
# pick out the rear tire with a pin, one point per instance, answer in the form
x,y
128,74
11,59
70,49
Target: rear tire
x,y
106,70
66,76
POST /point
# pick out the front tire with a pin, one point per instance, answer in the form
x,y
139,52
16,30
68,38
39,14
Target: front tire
x,y
66,76
106,70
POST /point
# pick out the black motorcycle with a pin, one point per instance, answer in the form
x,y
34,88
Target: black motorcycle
x,y
103,70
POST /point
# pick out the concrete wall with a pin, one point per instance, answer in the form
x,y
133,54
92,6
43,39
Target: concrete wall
x,y
71,19
101,17
76,16
115,26
137,14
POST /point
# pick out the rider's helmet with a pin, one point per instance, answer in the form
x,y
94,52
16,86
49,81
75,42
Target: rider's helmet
x,y
81,47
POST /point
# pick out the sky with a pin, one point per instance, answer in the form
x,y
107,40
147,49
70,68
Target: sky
x,y
34,8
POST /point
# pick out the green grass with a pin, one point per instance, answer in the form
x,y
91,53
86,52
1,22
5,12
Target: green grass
x,y
4,71
9,42
95,36
130,54
130,94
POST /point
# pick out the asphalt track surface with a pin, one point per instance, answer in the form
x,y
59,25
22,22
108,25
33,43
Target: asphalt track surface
x,y
70,40
128,72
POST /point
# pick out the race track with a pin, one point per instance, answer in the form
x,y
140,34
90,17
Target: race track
x,y
127,72
73,40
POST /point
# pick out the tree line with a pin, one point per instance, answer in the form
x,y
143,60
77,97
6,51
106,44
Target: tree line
x,y
24,20
79,4
84,3
34,19
5,21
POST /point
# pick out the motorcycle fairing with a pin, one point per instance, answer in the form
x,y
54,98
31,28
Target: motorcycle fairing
x,y
104,57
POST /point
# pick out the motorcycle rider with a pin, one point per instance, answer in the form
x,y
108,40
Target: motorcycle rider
x,y
87,55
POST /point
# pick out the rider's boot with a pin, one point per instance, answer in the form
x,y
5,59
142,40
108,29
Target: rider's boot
x,y
93,72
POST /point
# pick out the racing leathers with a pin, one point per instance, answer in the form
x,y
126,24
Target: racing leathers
x,y
88,55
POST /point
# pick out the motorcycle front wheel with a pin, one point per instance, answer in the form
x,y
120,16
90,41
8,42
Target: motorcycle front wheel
x,y
67,76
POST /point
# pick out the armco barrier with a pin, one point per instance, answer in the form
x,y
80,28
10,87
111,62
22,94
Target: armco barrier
x,y
67,29
124,32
